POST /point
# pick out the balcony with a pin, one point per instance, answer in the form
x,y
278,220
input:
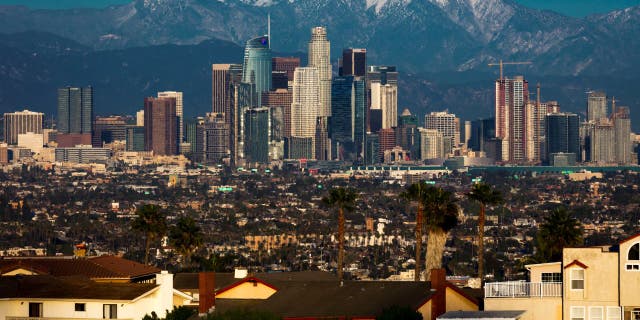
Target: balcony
x,y
520,289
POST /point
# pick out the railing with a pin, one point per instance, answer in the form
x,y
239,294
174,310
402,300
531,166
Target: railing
x,y
519,289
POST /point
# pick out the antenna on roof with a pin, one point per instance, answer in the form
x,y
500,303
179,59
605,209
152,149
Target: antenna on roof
x,y
269,29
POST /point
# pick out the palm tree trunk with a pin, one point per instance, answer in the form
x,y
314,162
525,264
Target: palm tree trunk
x,y
481,219
435,250
147,245
419,223
340,243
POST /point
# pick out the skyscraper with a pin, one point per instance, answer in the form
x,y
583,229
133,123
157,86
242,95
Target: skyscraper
x,y
512,96
622,128
75,116
161,125
257,65
319,58
382,75
108,130
353,62
280,98
304,108
596,106
179,110
431,144
20,122
212,145
287,64
222,76
562,134
348,107
384,97
257,135
445,123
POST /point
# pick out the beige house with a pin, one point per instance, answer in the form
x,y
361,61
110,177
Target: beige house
x,y
596,283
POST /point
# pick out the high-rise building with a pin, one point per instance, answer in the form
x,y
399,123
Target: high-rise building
x,y
222,78
407,135
304,108
387,141
279,80
280,98
481,131
383,75
353,62
242,98
512,96
161,126
179,110
256,135
622,135
16,123
562,134
372,149
134,138
431,144
108,130
140,118
348,110
596,106
287,64
599,141
447,124
384,97
212,142
257,66
319,58
75,116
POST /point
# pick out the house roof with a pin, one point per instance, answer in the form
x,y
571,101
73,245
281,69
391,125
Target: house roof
x,y
633,237
95,268
50,287
506,315
328,298
576,263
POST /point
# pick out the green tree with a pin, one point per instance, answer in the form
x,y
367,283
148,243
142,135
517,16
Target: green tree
x,y
150,222
441,215
484,195
178,313
242,314
399,313
344,200
559,230
417,193
185,236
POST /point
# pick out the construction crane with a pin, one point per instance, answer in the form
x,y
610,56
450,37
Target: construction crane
x,y
503,63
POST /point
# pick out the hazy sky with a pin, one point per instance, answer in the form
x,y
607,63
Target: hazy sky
x,y
576,8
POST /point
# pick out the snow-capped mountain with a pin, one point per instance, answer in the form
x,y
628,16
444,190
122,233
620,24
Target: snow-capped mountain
x,y
417,35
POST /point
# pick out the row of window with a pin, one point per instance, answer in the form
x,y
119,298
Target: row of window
x,y
595,313
109,311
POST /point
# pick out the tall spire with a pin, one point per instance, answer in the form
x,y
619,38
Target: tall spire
x,y
269,28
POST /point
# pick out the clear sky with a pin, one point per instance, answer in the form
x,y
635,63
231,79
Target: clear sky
x,y
576,8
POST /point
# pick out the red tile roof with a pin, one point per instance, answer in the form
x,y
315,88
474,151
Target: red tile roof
x,y
103,267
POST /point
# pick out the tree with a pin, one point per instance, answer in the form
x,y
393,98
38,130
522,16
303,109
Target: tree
x,y
559,230
399,313
150,222
185,236
484,195
441,215
417,192
344,200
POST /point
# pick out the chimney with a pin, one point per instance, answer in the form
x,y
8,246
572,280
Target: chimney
x,y
206,289
165,280
240,273
439,285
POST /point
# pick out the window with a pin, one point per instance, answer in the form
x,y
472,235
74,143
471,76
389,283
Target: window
x,y
81,307
551,277
634,252
633,258
577,313
35,309
613,313
596,313
110,311
577,279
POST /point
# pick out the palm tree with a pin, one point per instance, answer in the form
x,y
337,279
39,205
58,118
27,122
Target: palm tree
x,y
342,199
559,230
417,192
441,215
185,236
151,223
484,195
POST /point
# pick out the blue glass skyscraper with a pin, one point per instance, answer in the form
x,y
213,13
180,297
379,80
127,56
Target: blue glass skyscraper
x,y
257,66
348,111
